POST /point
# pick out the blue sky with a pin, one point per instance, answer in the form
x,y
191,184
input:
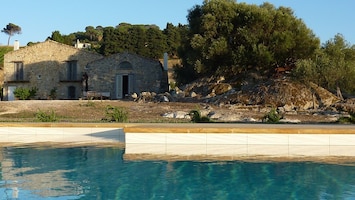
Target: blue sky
x,y
39,18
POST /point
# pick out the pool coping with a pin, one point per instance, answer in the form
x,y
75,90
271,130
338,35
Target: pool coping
x,y
203,127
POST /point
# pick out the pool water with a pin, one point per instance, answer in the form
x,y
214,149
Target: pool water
x,y
103,173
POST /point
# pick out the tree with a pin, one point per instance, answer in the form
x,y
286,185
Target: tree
x,y
156,43
91,33
227,38
144,40
333,66
173,38
11,29
56,36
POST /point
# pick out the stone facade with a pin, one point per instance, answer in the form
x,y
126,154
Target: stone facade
x,y
54,67
47,66
123,74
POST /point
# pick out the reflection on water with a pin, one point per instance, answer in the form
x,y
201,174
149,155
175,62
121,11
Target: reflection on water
x,y
102,173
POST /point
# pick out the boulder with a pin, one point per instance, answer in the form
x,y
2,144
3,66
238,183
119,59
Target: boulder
x,y
288,94
177,115
193,94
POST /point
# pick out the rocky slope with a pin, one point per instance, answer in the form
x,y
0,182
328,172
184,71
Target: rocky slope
x,y
249,101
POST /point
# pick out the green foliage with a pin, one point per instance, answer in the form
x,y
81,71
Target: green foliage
x,y
25,93
116,114
174,35
333,66
225,34
183,75
49,116
11,29
89,103
3,51
65,39
348,120
272,117
53,93
144,40
197,118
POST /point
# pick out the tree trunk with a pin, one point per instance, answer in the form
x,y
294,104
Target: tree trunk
x,y
8,40
339,95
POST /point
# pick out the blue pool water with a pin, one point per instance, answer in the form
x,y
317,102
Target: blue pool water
x,y
103,173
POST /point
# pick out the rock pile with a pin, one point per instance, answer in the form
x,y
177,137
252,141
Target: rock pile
x,y
288,97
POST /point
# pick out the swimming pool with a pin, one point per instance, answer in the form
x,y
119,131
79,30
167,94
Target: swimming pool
x,y
91,172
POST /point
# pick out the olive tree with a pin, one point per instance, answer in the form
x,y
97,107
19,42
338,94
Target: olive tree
x,y
332,67
227,38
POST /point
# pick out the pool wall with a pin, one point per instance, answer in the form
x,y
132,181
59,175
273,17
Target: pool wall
x,y
63,134
231,140
242,140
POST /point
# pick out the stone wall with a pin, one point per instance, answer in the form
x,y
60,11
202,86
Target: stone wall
x,y
45,67
146,74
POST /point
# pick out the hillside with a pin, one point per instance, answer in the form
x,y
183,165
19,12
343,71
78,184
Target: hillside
x,y
3,51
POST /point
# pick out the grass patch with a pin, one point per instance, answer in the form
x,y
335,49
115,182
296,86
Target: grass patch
x,y
116,114
89,103
48,116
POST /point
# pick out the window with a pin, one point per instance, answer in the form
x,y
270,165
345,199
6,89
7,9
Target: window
x,y
125,65
71,70
18,69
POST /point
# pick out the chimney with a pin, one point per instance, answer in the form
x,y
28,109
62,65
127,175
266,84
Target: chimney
x,y
16,45
166,61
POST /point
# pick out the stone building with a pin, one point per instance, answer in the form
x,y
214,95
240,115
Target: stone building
x,y
120,75
53,68
68,72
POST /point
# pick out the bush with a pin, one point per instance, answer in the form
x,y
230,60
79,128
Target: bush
x,y
348,120
272,117
116,114
197,118
53,93
25,93
42,116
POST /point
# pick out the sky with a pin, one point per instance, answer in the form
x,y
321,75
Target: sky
x,y
39,18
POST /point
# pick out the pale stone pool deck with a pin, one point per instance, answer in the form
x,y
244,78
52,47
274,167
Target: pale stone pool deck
x,y
228,141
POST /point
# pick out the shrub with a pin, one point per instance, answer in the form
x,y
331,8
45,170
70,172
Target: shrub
x,y
46,116
53,93
272,117
197,118
116,114
347,120
25,93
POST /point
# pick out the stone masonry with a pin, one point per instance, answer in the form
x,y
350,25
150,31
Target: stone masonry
x,y
143,74
45,67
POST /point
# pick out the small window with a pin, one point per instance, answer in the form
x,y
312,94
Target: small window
x,y
125,65
18,69
71,70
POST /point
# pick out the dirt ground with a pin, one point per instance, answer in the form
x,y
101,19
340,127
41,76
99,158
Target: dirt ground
x,y
148,112
90,110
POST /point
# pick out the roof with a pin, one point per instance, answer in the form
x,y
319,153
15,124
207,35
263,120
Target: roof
x,y
52,42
